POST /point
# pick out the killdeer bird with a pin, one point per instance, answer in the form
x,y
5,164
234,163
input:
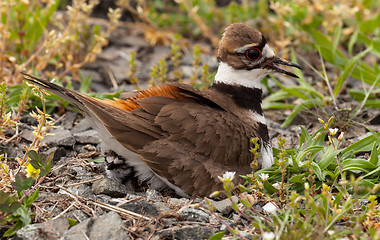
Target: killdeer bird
x,y
185,138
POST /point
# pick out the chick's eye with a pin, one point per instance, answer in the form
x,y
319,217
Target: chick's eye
x,y
253,54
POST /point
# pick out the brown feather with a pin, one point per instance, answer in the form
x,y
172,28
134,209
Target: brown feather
x,y
131,103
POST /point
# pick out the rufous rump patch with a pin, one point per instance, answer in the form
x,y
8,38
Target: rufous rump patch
x,y
131,104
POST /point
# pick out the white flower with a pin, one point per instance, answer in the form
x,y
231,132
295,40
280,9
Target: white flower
x,y
268,235
333,131
227,176
264,176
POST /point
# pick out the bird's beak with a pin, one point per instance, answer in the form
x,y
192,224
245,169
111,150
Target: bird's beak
x,y
279,61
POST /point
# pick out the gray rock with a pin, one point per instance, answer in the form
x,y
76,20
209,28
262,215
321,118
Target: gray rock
x,y
109,187
28,232
85,191
159,52
229,222
141,207
152,194
77,215
131,40
161,206
107,226
27,134
12,152
61,137
196,215
82,126
51,229
224,206
168,222
105,199
68,121
59,152
95,76
178,201
120,68
187,232
89,136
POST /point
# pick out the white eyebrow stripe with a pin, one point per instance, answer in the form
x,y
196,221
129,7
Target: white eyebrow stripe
x,y
245,48
267,52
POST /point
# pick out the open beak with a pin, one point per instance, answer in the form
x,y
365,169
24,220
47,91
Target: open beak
x,y
279,61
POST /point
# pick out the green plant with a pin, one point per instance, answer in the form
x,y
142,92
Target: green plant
x,y
310,187
15,204
133,70
345,34
64,45
19,186
343,45
176,59
158,73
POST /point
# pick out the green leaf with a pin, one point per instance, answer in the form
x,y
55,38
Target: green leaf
x,y
370,25
311,149
217,236
347,71
46,164
277,105
303,92
298,72
328,158
24,219
362,145
234,206
299,178
336,38
353,39
374,158
318,171
97,160
41,161
35,159
32,198
277,96
352,164
85,83
305,136
72,222
8,202
337,199
10,232
24,214
360,95
375,103
373,172
306,104
374,134
22,183
269,187
321,39
235,232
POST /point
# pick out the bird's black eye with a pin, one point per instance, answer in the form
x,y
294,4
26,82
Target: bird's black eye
x,y
253,54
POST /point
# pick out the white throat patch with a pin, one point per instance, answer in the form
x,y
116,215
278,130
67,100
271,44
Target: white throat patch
x,y
247,78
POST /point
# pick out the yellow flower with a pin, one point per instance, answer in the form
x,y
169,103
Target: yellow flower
x,y
32,172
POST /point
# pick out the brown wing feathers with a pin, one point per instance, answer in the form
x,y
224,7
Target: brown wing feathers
x,y
163,126
131,103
